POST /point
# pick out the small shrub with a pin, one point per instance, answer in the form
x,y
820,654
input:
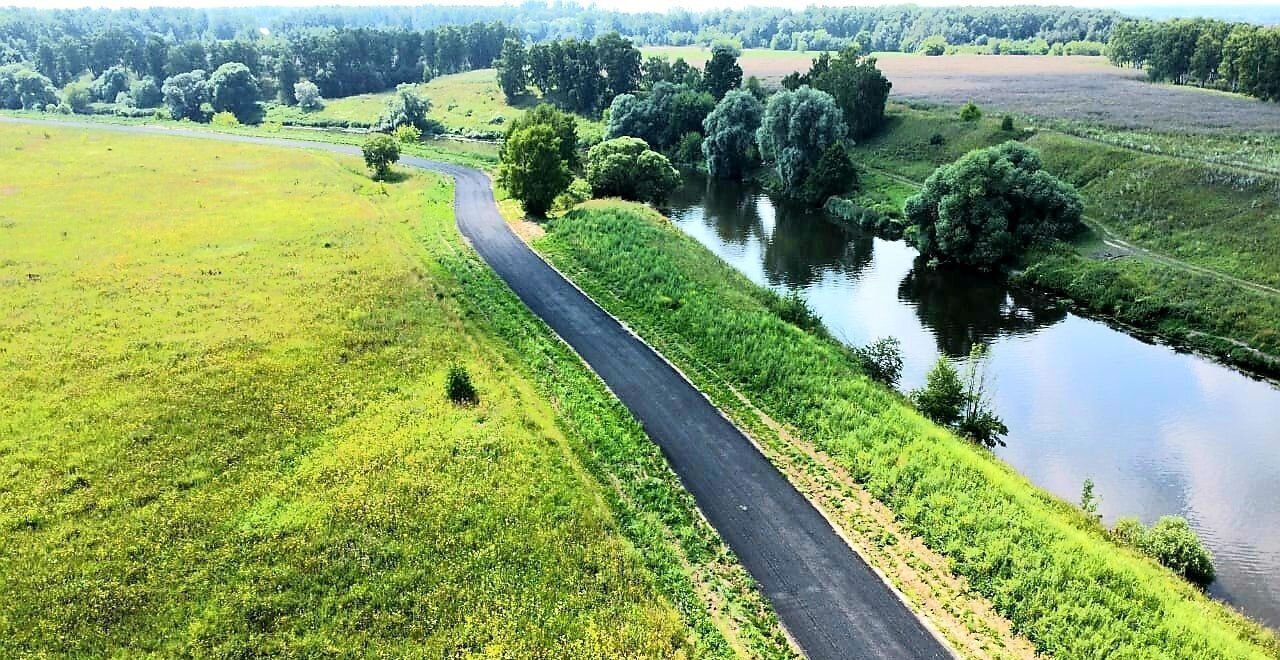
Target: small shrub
x,y
970,112
942,395
937,139
407,134
882,360
794,309
667,302
380,151
1089,500
458,386
224,118
1006,123
1172,542
578,192
963,406
1128,532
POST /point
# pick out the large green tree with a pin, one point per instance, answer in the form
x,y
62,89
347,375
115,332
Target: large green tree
x,y
989,205
859,88
513,76
186,95
532,168
621,63
730,135
626,167
797,129
233,88
563,124
722,73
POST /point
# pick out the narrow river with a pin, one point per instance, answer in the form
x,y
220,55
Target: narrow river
x,y
1158,431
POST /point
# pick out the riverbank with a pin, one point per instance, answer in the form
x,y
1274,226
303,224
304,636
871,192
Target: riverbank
x,y
1042,564
227,430
1179,247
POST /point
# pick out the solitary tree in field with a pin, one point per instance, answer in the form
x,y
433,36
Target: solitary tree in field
x,y
308,96
380,152
532,168
730,134
797,128
406,107
232,88
989,205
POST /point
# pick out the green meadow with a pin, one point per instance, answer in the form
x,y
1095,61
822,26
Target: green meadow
x,y
223,429
468,104
1044,565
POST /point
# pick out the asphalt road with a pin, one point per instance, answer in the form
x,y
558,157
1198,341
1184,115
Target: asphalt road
x,y
832,604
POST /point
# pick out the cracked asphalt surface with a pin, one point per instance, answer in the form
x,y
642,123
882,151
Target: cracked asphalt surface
x,y
830,601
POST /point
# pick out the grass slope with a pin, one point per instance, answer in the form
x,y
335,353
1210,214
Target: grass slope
x,y
468,104
1042,563
223,429
1209,216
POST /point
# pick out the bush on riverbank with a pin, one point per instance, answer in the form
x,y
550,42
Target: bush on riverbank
x,y
1042,563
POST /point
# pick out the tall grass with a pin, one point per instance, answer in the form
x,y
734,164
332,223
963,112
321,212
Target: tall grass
x,y
1043,564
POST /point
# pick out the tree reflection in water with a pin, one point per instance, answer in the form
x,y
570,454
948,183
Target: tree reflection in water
x,y
799,244
963,307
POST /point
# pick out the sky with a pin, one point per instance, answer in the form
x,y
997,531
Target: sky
x,y
629,5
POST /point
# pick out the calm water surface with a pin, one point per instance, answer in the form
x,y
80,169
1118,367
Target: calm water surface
x,y
1159,432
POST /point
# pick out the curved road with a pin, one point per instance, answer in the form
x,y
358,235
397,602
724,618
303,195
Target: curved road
x,y
832,604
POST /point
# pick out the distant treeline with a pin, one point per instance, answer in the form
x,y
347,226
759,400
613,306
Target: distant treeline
x,y
1237,57
156,44
897,28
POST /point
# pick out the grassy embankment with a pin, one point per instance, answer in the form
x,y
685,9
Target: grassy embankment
x,y
223,428
469,104
1045,566
1203,215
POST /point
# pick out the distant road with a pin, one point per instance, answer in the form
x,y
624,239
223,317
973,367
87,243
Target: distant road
x,y
832,604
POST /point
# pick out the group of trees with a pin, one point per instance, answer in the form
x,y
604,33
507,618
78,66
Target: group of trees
x,y
1239,57
539,158
800,132
579,76
859,87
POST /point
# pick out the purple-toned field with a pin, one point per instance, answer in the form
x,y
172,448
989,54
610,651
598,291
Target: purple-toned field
x,y
1079,88
1084,88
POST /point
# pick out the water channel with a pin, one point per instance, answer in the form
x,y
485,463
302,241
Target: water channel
x,y
1158,431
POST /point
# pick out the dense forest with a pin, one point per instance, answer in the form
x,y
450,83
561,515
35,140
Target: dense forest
x,y
1237,57
98,31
